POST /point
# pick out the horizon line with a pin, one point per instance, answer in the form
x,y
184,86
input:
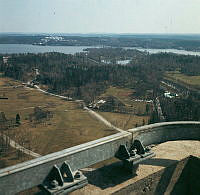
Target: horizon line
x,y
99,33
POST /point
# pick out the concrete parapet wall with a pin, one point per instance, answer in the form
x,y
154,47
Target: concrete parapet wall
x,y
32,173
167,131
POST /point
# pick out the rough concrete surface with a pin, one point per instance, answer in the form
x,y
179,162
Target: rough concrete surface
x,y
163,174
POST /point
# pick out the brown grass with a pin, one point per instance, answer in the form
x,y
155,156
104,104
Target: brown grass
x,y
125,121
124,95
193,81
69,126
12,158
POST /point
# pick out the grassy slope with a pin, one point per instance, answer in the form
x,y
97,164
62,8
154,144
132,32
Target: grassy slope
x,y
124,95
125,121
69,126
193,81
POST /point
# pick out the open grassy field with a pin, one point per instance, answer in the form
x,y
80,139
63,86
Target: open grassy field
x,y
12,158
193,81
69,126
124,95
125,121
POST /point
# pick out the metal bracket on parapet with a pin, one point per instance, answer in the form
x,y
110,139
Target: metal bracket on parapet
x,y
133,156
63,180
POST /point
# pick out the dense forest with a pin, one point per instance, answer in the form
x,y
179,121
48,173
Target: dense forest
x,y
186,64
85,76
64,73
187,108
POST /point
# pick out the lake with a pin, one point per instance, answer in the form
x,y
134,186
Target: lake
x,y
176,51
22,48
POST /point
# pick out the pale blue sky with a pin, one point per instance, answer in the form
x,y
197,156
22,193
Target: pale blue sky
x,y
100,16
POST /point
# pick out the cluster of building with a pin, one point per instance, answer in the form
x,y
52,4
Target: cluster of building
x,y
49,38
96,104
5,59
168,94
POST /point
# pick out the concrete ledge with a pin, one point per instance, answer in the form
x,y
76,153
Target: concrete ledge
x,y
32,173
181,177
167,131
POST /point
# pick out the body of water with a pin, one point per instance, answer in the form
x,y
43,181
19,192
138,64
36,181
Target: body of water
x,y
176,51
22,48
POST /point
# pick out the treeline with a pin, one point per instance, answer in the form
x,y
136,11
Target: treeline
x,y
64,73
181,109
113,54
20,66
186,64
76,77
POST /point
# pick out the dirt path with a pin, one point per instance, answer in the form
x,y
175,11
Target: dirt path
x,y
96,115
103,120
159,110
21,148
52,94
31,153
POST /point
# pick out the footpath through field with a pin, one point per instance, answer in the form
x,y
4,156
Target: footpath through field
x,y
103,120
33,154
20,148
96,115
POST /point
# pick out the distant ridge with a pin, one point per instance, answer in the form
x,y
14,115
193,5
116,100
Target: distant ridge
x,y
131,35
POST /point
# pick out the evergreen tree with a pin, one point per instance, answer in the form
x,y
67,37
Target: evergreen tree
x,y
18,119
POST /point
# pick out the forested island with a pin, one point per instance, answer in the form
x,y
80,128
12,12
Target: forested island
x,y
182,42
